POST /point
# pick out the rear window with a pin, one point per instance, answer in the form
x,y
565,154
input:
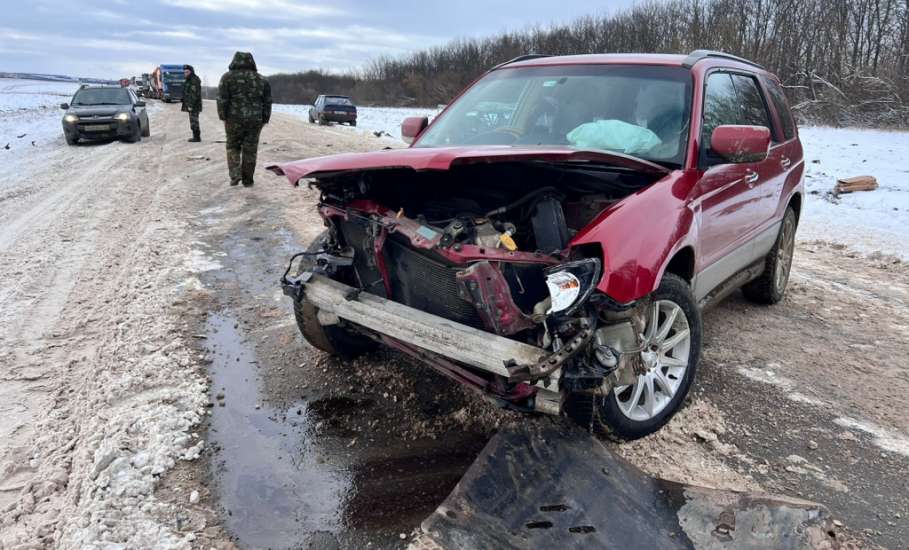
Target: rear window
x,y
778,97
101,96
338,101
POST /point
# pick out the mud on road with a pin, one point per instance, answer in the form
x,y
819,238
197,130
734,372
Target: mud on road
x,y
156,392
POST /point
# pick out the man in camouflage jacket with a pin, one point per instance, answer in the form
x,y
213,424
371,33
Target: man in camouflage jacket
x,y
192,100
244,104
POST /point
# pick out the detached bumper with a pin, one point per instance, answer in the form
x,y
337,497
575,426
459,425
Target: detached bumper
x,y
479,349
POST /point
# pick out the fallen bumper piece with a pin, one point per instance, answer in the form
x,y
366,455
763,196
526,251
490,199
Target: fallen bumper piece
x,y
553,486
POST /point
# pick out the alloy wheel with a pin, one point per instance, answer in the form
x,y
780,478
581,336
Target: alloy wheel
x,y
784,254
665,354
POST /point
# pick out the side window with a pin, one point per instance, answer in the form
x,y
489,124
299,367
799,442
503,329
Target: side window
x,y
782,108
754,111
721,106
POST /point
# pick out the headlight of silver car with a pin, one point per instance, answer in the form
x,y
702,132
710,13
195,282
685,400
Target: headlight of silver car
x,y
71,118
571,284
123,117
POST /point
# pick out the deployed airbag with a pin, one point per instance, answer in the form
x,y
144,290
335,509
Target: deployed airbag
x,y
613,135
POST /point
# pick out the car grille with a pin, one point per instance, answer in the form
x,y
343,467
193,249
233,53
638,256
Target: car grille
x,y
417,280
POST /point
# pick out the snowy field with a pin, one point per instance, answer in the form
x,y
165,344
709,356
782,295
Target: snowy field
x,y
32,108
370,120
870,222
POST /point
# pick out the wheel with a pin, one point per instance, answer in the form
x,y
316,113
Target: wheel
x,y
136,136
70,140
311,119
332,339
322,121
353,123
770,287
146,131
672,347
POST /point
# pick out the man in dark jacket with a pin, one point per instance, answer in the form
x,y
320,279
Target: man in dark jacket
x,y
192,100
244,104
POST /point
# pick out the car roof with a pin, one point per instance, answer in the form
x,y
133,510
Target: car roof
x,y
713,59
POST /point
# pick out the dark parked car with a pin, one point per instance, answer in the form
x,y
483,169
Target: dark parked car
x,y
551,239
333,108
105,112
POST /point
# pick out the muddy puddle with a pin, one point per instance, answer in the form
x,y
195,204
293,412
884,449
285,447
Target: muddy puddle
x,y
276,486
299,475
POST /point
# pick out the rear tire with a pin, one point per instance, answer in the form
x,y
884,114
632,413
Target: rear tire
x,y
632,412
770,287
354,124
146,131
332,339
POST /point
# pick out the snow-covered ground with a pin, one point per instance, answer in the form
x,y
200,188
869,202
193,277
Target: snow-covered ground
x,y
370,120
872,221
32,108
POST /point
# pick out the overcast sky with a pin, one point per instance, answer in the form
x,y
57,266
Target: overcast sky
x,y
118,38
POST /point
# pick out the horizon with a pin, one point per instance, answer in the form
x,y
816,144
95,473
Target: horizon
x,y
94,39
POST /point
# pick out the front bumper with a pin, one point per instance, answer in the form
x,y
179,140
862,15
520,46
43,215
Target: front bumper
x,y
99,129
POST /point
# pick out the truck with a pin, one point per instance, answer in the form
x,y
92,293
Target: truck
x,y
167,83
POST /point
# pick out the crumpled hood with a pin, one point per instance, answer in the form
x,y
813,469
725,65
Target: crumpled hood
x,y
242,61
443,158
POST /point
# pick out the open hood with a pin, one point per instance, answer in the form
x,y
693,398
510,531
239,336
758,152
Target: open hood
x,y
443,158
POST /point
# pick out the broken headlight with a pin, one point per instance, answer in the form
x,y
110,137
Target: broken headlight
x,y
571,284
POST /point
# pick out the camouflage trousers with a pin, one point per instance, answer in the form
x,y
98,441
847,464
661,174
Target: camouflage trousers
x,y
242,147
194,121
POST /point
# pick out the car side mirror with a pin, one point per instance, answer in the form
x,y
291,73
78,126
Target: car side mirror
x,y
412,127
140,104
64,106
740,144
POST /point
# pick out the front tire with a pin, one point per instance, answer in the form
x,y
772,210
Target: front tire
x,y
770,287
71,140
135,136
332,339
672,349
146,131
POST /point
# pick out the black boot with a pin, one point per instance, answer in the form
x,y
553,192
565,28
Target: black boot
x,y
196,137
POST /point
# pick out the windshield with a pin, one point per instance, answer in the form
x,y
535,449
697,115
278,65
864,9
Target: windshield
x,y
173,77
101,96
338,101
638,110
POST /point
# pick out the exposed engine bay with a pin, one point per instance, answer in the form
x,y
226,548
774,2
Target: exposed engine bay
x,y
487,246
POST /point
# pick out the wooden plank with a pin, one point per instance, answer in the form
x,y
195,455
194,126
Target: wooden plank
x,y
458,342
856,183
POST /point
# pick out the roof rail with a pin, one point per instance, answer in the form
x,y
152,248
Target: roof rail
x,y
524,57
698,55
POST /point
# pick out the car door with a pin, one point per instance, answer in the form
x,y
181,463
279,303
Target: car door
x,y
723,202
765,192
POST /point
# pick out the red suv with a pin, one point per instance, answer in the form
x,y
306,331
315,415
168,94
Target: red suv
x,y
553,236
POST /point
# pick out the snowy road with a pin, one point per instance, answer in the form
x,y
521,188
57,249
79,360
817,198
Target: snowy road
x,y
135,279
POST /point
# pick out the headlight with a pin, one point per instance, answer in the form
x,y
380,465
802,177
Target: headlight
x,y
71,118
571,284
123,117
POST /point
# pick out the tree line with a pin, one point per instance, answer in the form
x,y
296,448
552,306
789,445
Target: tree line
x,y
841,62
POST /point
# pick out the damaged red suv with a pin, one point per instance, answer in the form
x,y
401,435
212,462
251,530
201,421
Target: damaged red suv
x,y
553,236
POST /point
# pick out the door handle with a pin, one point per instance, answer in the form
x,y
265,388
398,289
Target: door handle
x,y
750,177
785,162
